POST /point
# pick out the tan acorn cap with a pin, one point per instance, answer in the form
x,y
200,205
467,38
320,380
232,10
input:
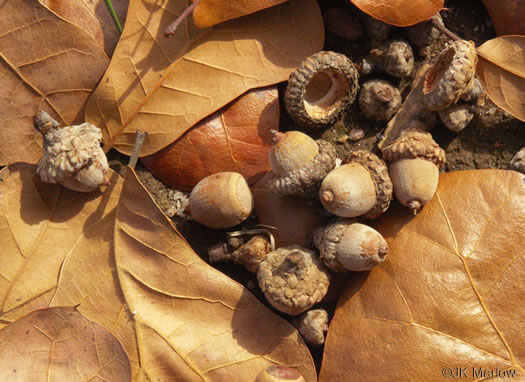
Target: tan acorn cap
x,y
412,144
293,279
379,173
307,178
308,97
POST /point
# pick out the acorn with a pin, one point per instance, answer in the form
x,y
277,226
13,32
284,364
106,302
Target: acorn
x,y
394,57
450,76
293,279
457,116
279,373
313,326
346,245
298,163
72,155
415,159
221,200
321,89
517,163
359,187
379,100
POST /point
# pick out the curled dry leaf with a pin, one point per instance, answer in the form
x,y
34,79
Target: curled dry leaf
x,y
506,16
449,295
47,64
59,344
401,13
294,217
165,86
92,17
501,70
39,224
235,138
211,12
155,294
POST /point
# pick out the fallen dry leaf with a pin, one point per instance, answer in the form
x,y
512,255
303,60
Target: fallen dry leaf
x,y
59,344
93,17
165,86
189,320
450,293
45,64
293,217
506,16
501,69
39,224
211,12
235,138
401,13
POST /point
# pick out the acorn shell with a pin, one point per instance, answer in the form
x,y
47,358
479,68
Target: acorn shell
x,y
293,279
448,78
348,245
221,200
321,89
313,325
456,117
379,100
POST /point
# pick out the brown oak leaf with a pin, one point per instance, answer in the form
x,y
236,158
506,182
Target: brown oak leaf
x,y
506,16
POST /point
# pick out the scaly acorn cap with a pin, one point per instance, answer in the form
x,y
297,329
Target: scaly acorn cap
x,y
321,89
306,179
449,77
379,173
414,143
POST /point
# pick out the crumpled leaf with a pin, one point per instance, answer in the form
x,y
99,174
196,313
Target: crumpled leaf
x,y
401,13
211,12
45,64
164,86
39,224
506,16
235,138
501,69
92,17
189,320
450,293
59,344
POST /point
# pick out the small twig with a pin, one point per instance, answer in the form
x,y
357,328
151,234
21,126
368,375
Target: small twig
x,y
170,30
139,141
114,16
443,29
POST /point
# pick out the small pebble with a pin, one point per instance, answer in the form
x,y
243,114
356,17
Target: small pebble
x,y
342,139
356,134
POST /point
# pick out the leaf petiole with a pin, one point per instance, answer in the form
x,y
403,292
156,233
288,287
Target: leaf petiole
x,y
170,30
111,10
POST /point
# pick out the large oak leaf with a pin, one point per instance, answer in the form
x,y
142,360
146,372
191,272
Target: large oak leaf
x,y
177,317
39,224
501,69
235,138
211,12
46,63
92,17
450,293
165,86
59,344
401,13
506,16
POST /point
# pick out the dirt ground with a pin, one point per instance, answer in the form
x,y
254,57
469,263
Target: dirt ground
x,y
489,141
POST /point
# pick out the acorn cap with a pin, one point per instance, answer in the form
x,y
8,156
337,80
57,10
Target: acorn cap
x,y
412,144
293,279
306,179
321,89
379,173
448,78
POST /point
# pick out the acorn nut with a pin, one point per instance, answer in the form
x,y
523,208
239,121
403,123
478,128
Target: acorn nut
x,y
321,89
279,373
359,187
298,162
379,100
517,162
348,245
221,200
450,76
313,325
394,57
293,279
72,155
415,160
457,116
